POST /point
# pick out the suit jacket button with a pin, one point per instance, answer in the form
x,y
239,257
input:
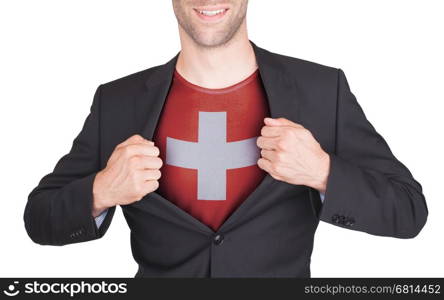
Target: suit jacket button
x,y
335,218
350,222
218,239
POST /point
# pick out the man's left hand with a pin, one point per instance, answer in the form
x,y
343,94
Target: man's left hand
x,y
290,153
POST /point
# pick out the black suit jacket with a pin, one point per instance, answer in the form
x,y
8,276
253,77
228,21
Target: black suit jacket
x,y
271,233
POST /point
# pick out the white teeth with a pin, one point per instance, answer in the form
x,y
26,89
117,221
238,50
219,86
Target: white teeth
x,y
211,12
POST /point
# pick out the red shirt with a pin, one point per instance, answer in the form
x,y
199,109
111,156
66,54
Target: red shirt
x,y
207,142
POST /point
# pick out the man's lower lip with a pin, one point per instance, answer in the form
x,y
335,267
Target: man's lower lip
x,y
211,18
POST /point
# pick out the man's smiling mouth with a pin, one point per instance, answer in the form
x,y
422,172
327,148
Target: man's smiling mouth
x,y
211,14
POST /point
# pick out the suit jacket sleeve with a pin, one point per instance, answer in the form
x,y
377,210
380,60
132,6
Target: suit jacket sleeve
x,y
368,189
59,209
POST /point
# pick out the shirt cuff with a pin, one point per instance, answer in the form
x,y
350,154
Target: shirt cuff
x,y
99,219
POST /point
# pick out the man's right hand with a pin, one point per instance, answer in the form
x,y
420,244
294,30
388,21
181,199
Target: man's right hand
x,y
131,172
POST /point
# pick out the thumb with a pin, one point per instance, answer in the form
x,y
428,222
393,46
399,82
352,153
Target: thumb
x,y
280,122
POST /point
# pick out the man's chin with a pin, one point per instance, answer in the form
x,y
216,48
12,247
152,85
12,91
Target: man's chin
x,y
211,41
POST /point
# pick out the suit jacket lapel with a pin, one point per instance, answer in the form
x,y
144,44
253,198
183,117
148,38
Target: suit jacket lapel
x,y
282,95
151,101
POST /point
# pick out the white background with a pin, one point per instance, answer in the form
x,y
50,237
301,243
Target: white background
x,y
54,54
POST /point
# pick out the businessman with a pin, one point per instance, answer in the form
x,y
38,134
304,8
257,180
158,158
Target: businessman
x,y
224,160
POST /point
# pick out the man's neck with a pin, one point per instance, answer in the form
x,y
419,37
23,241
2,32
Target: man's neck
x,y
216,67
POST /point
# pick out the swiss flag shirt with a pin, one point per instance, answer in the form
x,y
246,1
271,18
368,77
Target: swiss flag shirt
x,y
207,142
